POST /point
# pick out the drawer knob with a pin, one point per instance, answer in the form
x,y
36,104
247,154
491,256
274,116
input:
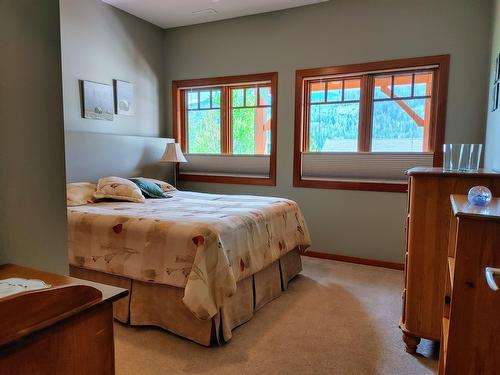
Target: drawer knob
x,y
490,274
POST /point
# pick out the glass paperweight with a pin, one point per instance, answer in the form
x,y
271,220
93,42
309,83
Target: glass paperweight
x,y
479,195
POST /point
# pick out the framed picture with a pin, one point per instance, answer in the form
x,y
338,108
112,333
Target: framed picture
x,y
97,101
496,92
497,69
124,97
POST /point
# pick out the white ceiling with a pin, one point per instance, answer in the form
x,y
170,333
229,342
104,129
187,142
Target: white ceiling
x,y
174,13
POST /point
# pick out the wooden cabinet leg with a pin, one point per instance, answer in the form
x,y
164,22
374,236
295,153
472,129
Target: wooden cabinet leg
x,y
411,343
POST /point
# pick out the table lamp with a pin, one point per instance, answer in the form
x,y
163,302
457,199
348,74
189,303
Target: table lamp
x,y
173,154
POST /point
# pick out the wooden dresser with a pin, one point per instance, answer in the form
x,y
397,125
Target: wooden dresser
x,y
470,343
66,329
429,214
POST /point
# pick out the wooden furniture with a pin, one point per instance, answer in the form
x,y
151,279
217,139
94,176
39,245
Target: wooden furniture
x,y
471,314
427,245
66,329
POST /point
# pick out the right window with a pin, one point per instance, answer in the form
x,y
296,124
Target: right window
x,y
361,126
401,114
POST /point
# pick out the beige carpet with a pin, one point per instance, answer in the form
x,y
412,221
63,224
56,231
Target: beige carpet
x,y
335,318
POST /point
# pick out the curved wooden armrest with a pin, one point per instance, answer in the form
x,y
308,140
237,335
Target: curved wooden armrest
x,y
23,314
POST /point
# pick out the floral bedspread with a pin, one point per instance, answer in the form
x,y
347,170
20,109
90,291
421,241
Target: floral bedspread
x,y
204,243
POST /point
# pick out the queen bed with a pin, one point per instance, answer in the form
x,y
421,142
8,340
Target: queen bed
x,y
195,264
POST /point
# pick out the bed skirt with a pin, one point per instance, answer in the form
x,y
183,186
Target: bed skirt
x,y
161,305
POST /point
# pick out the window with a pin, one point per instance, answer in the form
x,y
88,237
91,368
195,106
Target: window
x,y
333,114
399,119
227,128
401,112
203,119
361,126
251,119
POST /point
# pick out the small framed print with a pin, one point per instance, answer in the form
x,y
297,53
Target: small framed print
x,y
496,77
97,100
496,92
124,97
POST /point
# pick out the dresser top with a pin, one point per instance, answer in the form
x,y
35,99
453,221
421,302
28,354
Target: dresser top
x,y
29,312
462,208
108,292
438,171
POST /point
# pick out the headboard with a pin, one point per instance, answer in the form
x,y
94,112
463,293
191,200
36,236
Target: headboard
x,y
90,156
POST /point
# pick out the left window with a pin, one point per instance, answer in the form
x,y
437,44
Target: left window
x,y
203,120
227,128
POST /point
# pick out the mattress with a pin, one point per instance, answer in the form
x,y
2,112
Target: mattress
x,y
204,243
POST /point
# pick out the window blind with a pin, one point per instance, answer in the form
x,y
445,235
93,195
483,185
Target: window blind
x,y
379,166
227,165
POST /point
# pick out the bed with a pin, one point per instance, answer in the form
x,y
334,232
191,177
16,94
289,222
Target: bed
x,y
196,264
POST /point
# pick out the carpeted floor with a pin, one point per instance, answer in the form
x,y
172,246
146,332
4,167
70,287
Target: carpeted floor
x,y
335,318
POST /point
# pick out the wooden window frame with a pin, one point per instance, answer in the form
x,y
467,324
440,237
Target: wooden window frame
x,y
179,122
436,128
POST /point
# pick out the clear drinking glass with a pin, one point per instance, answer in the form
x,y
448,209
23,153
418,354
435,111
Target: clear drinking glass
x,y
470,156
451,153
475,157
463,161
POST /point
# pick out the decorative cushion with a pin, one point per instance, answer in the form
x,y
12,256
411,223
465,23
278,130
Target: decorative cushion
x,y
149,188
79,193
165,186
119,189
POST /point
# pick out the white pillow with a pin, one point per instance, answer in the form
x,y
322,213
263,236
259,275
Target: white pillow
x,y
79,193
119,189
164,186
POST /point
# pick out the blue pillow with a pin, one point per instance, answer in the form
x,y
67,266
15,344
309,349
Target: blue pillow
x,y
149,189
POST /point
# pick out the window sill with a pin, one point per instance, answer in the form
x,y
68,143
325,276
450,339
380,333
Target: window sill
x,y
227,179
360,185
230,155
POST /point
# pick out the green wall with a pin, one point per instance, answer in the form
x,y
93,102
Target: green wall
x,y
492,155
355,223
101,43
32,183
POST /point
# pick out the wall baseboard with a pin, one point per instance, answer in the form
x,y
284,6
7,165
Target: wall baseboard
x,y
344,258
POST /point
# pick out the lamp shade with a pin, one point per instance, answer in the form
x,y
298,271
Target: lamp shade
x,y
173,154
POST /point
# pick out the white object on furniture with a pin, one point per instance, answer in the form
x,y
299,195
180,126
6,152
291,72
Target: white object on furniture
x,y
14,285
173,154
